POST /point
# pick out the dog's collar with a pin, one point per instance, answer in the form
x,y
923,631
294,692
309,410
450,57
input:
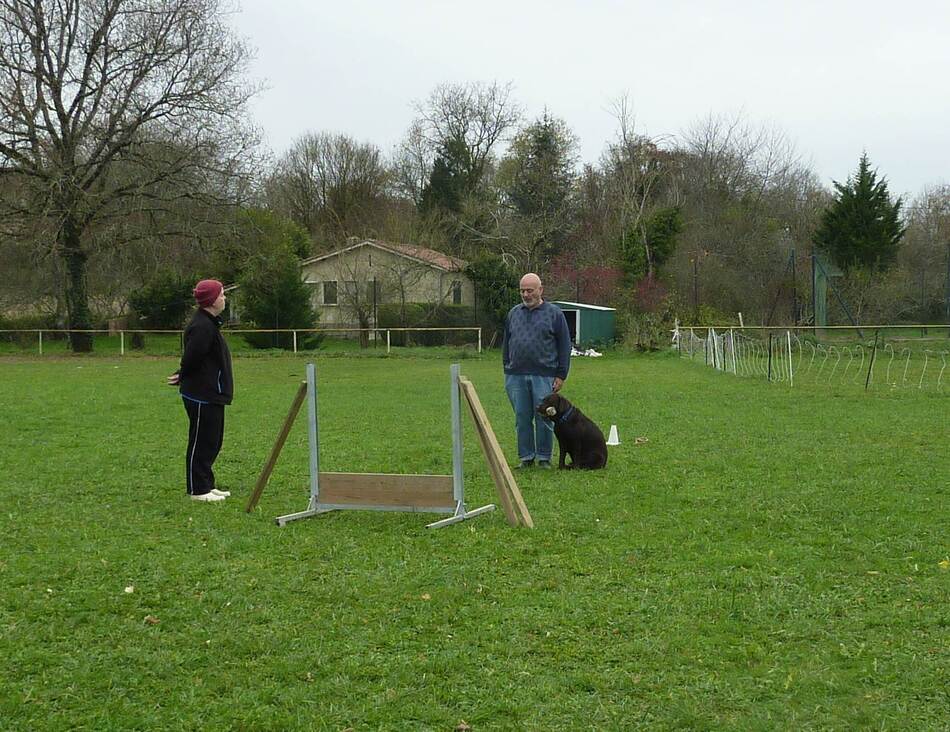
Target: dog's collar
x,y
564,417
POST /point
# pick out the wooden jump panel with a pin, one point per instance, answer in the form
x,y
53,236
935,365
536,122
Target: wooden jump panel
x,y
385,489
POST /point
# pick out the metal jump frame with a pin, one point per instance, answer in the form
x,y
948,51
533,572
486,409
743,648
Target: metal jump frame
x,y
316,507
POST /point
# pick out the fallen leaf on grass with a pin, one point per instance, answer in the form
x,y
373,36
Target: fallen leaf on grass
x,y
945,564
641,440
426,596
130,589
462,727
151,620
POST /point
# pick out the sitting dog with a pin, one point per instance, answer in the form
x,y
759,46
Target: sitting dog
x,y
576,435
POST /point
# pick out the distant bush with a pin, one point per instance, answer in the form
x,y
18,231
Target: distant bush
x,y
27,322
272,295
163,302
496,290
421,315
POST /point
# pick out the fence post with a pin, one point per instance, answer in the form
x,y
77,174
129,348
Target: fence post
x,y
770,356
295,341
788,337
867,381
479,340
121,342
732,345
41,342
387,340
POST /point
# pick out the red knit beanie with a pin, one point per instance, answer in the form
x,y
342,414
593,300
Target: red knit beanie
x,y
207,291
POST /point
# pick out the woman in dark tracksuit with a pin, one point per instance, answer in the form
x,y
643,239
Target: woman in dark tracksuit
x,y
206,384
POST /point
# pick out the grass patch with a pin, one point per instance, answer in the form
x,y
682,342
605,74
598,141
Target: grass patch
x,y
769,559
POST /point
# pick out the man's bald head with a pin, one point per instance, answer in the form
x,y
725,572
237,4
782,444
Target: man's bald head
x,y
531,290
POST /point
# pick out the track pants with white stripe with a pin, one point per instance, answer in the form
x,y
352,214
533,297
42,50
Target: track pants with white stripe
x,y
205,435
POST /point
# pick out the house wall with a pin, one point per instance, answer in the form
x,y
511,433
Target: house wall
x,y
397,277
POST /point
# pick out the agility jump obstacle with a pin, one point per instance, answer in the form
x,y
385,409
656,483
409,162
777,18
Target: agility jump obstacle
x,y
390,492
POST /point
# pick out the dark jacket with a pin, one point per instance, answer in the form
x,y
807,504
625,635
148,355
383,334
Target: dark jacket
x,y
536,342
205,373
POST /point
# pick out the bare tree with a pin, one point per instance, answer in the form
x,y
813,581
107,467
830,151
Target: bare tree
x,y
637,175
111,108
402,277
748,200
469,118
331,185
412,164
362,289
924,257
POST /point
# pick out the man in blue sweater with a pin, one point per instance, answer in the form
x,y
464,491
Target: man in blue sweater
x,y
536,353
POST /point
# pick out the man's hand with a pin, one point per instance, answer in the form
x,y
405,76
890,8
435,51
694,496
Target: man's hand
x,y
558,383
173,379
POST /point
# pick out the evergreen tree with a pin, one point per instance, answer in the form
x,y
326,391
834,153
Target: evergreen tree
x,y
273,295
163,302
539,170
496,289
650,243
256,231
861,228
537,178
450,181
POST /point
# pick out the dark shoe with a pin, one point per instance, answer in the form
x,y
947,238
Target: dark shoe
x,y
544,464
524,464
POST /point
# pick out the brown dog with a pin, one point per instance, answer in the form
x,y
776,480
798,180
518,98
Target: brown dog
x,y
576,435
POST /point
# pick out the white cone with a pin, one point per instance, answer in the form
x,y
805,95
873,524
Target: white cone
x,y
613,439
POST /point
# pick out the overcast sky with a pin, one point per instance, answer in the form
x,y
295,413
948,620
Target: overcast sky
x,y
837,76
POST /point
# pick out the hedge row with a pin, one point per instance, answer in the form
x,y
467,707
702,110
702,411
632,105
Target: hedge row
x,y
419,315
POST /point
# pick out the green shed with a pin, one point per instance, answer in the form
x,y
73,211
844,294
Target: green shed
x,y
589,324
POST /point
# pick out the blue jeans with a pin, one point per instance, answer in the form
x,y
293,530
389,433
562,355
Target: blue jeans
x,y
535,433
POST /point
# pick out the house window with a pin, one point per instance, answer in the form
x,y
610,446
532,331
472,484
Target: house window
x,y
329,292
456,292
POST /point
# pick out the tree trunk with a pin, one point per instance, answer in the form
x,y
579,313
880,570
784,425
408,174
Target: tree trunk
x,y
77,301
647,252
363,318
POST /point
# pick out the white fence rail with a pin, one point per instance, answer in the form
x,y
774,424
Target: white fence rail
x,y
376,334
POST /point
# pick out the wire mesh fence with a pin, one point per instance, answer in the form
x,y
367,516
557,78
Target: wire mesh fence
x,y
51,342
873,357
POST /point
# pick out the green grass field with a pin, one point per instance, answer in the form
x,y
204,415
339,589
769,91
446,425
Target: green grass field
x,y
771,558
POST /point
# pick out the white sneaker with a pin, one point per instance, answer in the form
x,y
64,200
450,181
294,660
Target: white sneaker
x,y
209,496
220,492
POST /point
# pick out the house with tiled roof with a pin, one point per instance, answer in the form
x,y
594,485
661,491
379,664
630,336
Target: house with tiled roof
x,y
349,284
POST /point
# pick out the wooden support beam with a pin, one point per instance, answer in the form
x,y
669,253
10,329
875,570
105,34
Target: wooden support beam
x,y
504,495
504,480
278,446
